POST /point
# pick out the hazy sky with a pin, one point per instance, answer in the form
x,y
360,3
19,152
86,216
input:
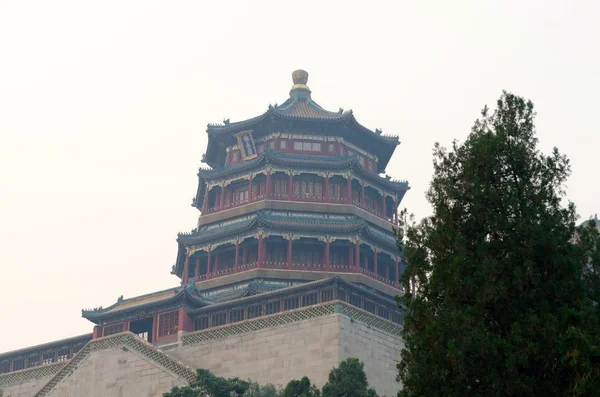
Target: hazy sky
x,y
104,106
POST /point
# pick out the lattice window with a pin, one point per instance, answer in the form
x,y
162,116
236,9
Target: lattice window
x,y
33,361
331,147
327,295
384,312
112,329
236,315
281,187
254,311
235,156
369,306
397,317
310,299
63,354
5,367
48,357
219,319
282,144
168,323
355,300
297,145
307,146
271,145
201,323
290,303
18,364
272,307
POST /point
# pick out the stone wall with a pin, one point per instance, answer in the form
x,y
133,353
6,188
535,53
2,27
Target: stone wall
x,y
25,389
310,347
116,372
274,349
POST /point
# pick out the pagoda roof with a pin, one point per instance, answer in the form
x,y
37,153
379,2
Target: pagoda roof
x,y
187,295
307,286
282,222
302,108
299,161
269,220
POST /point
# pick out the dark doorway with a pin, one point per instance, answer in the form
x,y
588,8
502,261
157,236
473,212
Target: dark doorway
x,y
142,328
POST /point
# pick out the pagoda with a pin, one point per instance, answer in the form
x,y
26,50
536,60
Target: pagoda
x,y
296,220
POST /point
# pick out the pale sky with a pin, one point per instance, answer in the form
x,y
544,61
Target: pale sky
x,y
104,106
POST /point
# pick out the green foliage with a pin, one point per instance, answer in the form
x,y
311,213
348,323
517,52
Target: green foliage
x,y
497,297
301,388
348,380
208,385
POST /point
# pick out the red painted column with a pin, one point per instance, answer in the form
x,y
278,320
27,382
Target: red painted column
x,y
289,253
126,325
154,335
327,188
208,266
362,195
375,263
185,322
260,251
349,192
205,203
291,188
357,257
97,333
186,268
197,273
250,190
327,265
268,186
237,256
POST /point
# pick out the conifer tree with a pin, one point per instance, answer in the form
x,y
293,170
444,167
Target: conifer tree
x,y
496,297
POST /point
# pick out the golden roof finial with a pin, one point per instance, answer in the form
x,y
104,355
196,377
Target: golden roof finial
x,y
300,77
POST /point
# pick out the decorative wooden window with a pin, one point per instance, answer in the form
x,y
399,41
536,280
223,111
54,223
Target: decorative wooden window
x,y
271,145
33,361
384,312
219,319
397,317
5,367
280,187
355,300
201,323
272,307
309,300
240,195
63,354
254,311
112,329
316,146
327,295
290,303
297,145
282,144
331,147
369,306
48,357
307,146
236,315
18,364
235,156
168,323
308,189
